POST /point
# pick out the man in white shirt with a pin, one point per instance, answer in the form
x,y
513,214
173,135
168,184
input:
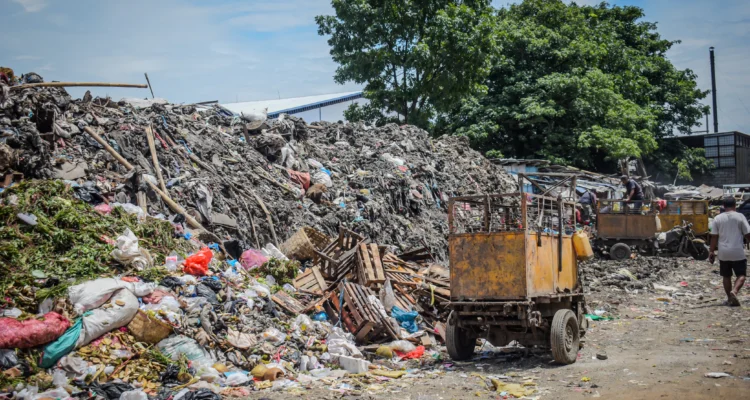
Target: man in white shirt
x,y
727,231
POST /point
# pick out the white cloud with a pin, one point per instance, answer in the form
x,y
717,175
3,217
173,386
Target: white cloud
x,y
32,5
44,68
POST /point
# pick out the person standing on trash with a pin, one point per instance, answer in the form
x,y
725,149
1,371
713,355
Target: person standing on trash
x,y
633,192
727,232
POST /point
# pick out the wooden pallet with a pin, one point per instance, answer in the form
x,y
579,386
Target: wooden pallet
x,y
288,303
362,318
369,265
311,281
339,257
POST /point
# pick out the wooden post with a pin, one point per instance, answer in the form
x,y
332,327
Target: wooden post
x,y
157,168
109,148
176,207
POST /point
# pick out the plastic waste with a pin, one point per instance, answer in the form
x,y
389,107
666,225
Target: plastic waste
x,y
202,290
270,280
129,208
261,289
12,313
398,162
274,336
582,246
173,346
201,394
56,393
302,323
59,378
236,378
92,294
197,264
122,309
402,345
8,358
355,365
406,319
15,334
387,297
320,316
172,261
289,288
241,340
63,345
252,258
128,253
418,352
194,304
134,395
320,177
341,343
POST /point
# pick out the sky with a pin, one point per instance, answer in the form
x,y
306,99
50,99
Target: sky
x,y
232,50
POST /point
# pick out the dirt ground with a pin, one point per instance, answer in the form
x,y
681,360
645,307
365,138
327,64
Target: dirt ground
x,y
655,349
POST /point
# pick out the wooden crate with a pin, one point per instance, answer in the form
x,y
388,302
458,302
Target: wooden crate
x,y
369,265
311,281
288,303
339,257
361,317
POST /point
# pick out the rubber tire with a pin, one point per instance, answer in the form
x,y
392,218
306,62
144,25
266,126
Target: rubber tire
x,y
620,251
459,343
564,330
699,251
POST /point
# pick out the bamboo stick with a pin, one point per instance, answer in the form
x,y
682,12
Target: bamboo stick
x,y
109,148
73,84
176,207
157,168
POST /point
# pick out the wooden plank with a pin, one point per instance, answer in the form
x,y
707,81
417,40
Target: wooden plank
x,y
288,303
377,266
364,330
366,265
319,278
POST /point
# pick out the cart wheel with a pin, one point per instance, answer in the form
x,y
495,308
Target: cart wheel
x,y
564,337
619,252
459,341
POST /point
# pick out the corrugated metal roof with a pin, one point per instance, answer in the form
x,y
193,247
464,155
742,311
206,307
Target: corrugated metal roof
x,y
291,105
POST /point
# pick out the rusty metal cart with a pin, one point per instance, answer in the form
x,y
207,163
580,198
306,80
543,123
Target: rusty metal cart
x,y
620,227
514,272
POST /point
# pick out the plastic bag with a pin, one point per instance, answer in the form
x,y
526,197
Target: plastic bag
x,y
320,316
92,294
15,334
320,177
402,346
8,358
202,290
63,345
387,297
201,394
134,395
342,344
197,264
274,336
302,322
406,319
128,253
56,393
261,289
129,208
241,340
418,352
59,378
252,258
173,346
236,378
124,306
271,251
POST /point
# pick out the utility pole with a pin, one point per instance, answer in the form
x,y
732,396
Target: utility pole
x,y
713,89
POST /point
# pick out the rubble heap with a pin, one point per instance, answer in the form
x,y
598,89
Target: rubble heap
x,y
389,183
637,273
171,251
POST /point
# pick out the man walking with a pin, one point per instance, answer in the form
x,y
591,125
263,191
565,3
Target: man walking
x,y
727,231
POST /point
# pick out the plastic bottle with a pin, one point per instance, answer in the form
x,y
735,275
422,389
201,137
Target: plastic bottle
x,y
172,261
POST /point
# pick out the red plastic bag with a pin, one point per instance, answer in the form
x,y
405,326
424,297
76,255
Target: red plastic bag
x,y
416,353
197,264
252,259
15,334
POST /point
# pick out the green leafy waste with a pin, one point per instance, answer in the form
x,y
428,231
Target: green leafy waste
x,y
282,271
69,241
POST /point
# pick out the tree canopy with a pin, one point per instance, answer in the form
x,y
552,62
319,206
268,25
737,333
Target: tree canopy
x,y
415,57
577,85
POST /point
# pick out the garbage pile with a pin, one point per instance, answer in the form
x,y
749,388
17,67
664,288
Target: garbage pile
x,y
636,273
168,251
256,184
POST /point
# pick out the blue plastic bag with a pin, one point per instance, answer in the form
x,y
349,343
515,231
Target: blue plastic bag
x,y
406,319
58,349
321,316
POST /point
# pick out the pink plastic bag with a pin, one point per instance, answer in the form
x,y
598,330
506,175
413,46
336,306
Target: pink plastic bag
x,y
252,259
197,264
416,353
16,334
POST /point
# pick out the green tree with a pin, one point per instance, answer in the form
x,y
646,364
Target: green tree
x,y
415,57
578,85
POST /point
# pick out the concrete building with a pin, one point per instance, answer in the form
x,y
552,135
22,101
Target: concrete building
x,y
326,107
730,153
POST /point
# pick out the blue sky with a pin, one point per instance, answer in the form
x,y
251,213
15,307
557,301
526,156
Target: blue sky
x,y
230,50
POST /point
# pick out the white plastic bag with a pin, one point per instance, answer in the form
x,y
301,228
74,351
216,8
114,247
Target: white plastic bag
x,y
92,294
272,251
134,395
59,378
341,343
402,346
128,253
302,322
387,297
173,346
129,208
122,309
241,340
236,379
321,177
274,336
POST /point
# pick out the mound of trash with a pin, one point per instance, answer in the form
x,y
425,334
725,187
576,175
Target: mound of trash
x,y
637,273
153,250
